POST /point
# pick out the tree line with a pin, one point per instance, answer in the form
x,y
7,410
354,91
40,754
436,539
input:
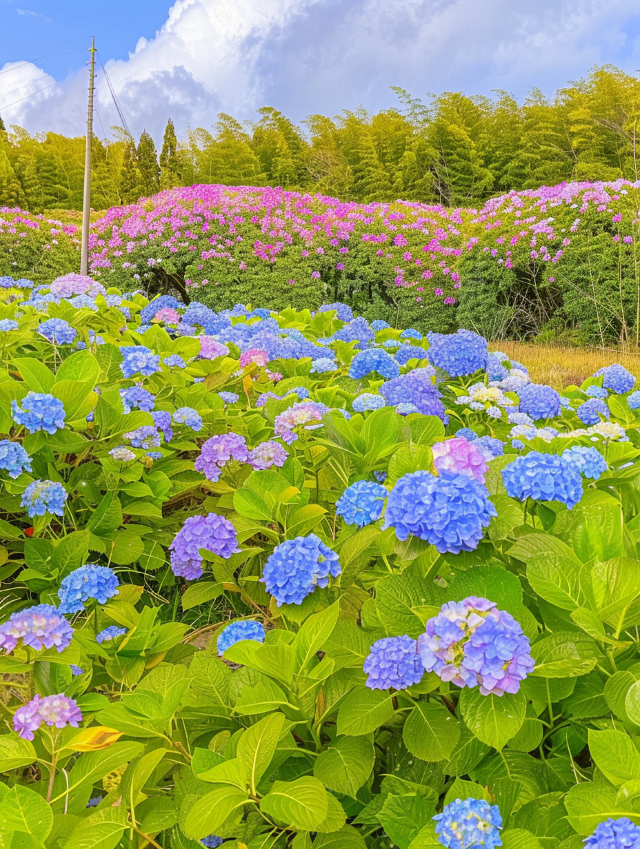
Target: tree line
x,y
451,149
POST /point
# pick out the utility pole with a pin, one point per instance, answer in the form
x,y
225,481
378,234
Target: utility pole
x,y
86,199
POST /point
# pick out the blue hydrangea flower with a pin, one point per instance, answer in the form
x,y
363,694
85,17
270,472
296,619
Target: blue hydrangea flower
x,y
42,497
405,409
634,400
392,343
162,302
212,841
162,421
229,397
367,401
543,477
410,333
357,331
188,416
110,633
378,324
539,401
517,418
7,324
261,312
323,365
39,411
13,458
410,352
449,511
58,331
236,631
616,378
596,391
593,411
415,388
467,433
122,454
373,360
393,662
619,833
297,566
469,824
145,437
75,671
495,369
489,447
343,312
174,361
380,476
137,397
300,391
84,584
459,354
137,359
361,503
588,461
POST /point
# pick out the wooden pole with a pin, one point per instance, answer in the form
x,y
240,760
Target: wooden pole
x,y
86,199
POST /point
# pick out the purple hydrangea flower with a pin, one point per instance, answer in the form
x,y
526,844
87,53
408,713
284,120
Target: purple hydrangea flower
x,y
162,302
13,458
145,437
42,497
174,361
489,447
137,397
543,477
619,833
449,511
469,824
268,454
110,633
58,331
84,584
212,533
593,411
343,312
210,348
7,324
358,331
189,417
137,359
416,389
40,627
236,631
588,461
55,711
460,457
162,421
212,841
373,360
473,644
539,401
297,566
217,451
361,503
39,411
229,397
393,662
303,414
76,284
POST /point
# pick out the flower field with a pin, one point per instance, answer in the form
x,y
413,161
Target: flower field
x,y
301,580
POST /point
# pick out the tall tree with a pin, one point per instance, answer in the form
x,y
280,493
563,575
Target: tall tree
x,y
169,158
130,184
148,164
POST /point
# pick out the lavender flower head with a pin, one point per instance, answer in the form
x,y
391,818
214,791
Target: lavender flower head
x,y
162,421
212,533
460,457
122,454
13,458
137,397
296,567
469,824
473,644
449,511
268,454
42,497
90,582
302,414
361,503
145,436
236,631
393,662
417,389
39,627
229,397
76,284
39,411
217,451
210,348
55,711
212,841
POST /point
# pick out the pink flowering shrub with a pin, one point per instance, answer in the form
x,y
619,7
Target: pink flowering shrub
x,y
37,248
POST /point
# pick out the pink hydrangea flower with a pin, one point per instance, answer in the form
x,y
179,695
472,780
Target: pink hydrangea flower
x,y
254,355
461,457
210,348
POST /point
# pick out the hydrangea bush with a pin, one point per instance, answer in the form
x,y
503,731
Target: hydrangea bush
x,y
268,582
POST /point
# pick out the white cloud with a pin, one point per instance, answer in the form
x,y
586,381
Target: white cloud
x,y
30,14
305,56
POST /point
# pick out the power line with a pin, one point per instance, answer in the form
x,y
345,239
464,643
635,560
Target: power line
x,y
37,59
113,95
7,105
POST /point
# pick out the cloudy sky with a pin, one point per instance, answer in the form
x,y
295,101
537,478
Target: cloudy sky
x,y
191,59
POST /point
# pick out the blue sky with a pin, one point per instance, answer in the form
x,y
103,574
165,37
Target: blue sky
x,y
191,59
